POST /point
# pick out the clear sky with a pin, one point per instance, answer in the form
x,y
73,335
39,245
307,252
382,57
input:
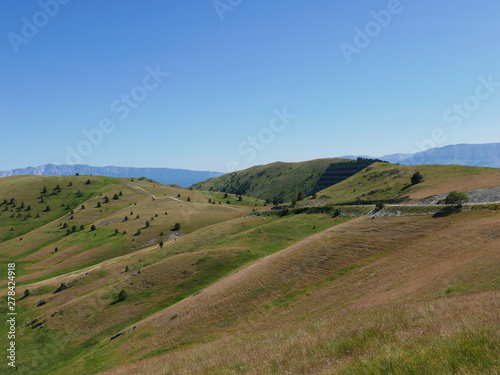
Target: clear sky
x,y
249,81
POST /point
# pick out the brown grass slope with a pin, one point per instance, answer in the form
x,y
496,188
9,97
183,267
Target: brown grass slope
x,y
353,299
79,321
388,182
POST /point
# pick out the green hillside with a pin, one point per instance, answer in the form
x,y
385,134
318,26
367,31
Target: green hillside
x,y
278,180
90,222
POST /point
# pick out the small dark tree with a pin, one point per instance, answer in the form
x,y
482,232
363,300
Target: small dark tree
x,y
83,207
126,218
276,201
240,198
88,182
177,226
68,232
456,198
138,232
79,194
56,250
82,227
65,225
161,244
92,228
147,224
209,200
300,196
120,193
116,231
26,293
98,205
225,195
178,195
115,197
47,209
73,228
188,199
44,191
106,199
314,196
416,178
70,184
28,208
122,295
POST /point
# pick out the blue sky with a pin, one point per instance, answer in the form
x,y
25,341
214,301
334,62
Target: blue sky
x,y
249,82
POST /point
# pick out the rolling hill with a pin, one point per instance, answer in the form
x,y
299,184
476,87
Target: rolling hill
x,y
182,177
284,181
390,183
241,289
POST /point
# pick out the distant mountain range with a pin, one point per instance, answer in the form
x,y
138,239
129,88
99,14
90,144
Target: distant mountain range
x,y
182,177
484,155
481,155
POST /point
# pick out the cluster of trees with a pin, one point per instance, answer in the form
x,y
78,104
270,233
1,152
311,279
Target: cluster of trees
x,y
74,228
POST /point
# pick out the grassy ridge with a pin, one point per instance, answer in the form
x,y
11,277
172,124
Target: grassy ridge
x,y
277,180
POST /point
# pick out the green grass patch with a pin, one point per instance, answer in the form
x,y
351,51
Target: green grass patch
x,y
465,353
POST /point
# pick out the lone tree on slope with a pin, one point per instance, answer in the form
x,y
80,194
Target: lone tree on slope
x,y
416,178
